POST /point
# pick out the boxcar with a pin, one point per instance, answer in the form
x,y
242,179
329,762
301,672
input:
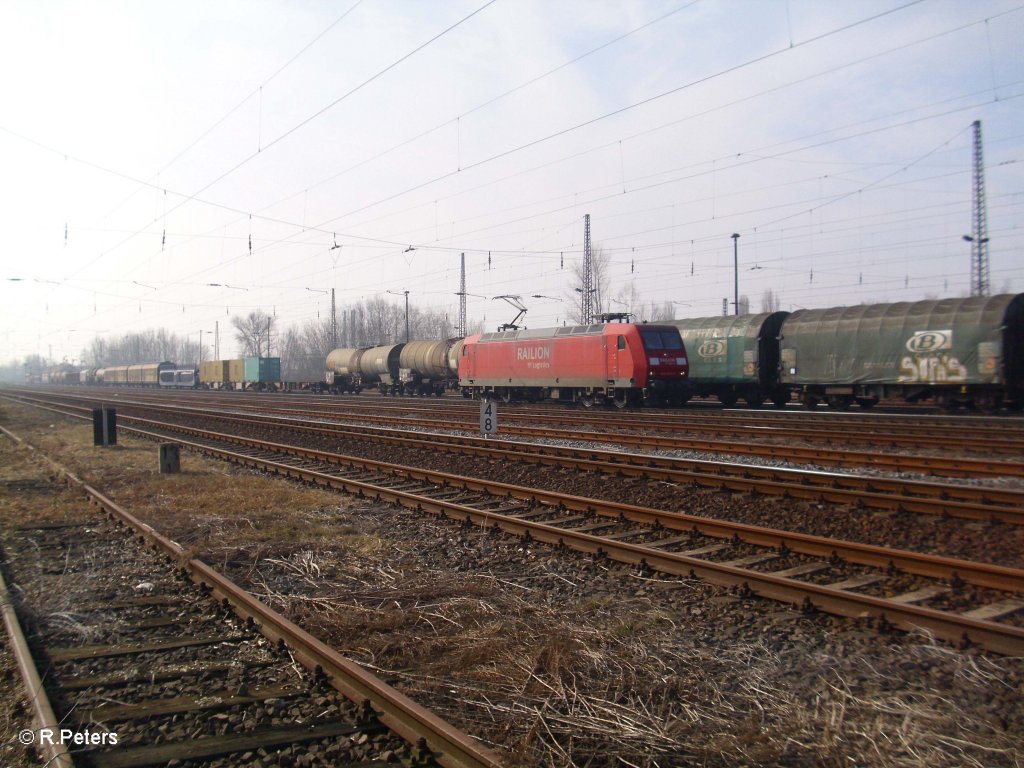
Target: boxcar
x,y
114,374
621,363
735,356
957,352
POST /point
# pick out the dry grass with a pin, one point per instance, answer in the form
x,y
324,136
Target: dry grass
x,y
551,658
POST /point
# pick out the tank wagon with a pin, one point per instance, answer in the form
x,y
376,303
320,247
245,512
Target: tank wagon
x,y
957,352
620,363
379,365
343,374
735,356
65,373
424,367
413,368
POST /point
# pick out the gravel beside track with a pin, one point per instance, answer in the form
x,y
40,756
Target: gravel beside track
x,y
567,661
94,599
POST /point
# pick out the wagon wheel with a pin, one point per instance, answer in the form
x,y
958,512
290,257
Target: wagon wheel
x,y
780,399
810,401
839,402
728,399
867,402
587,401
988,403
505,394
754,399
621,400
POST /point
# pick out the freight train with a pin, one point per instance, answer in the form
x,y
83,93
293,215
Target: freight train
x,y
957,353
619,363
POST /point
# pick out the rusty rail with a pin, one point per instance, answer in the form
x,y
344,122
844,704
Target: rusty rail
x,y
448,745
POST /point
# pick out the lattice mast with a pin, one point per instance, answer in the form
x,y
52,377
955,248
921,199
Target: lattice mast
x,y
586,302
979,238
334,322
462,299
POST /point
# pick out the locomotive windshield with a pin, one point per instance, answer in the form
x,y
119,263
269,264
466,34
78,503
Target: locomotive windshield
x,y
666,339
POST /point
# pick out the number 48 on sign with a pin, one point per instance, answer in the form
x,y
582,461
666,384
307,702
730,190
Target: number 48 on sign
x,y
488,417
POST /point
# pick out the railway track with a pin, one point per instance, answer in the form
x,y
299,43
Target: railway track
x,y
957,600
985,435
946,465
966,502
146,667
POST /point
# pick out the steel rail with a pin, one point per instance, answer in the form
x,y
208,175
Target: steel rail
x,y
53,751
965,630
967,502
929,425
56,755
448,745
938,465
932,566
912,433
956,628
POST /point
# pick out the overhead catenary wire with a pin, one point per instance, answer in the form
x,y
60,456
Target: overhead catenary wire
x,y
273,239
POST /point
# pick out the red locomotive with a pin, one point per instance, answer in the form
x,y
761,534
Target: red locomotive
x,y
621,363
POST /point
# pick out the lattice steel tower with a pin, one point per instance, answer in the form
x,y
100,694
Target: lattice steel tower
x,y
462,299
979,238
586,301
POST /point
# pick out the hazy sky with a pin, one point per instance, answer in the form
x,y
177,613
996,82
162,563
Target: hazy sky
x,y
149,149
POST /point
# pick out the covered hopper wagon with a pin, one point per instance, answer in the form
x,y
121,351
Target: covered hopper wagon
x,y
956,352
735,356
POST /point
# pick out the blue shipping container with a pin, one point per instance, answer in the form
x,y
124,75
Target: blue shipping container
x,y
262,369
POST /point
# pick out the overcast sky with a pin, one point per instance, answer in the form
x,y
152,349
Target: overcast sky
x,y
149,149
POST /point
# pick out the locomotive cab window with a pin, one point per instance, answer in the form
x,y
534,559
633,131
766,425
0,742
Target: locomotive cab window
x,y
661,340
622,342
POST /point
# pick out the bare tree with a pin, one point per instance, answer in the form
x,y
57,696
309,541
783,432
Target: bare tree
x,y
252,332
770,301
744,305
141,347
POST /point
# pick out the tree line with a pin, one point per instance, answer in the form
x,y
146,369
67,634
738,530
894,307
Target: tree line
x,y
303,349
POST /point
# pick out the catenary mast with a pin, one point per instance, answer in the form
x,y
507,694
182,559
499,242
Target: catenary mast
x,y
979,238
